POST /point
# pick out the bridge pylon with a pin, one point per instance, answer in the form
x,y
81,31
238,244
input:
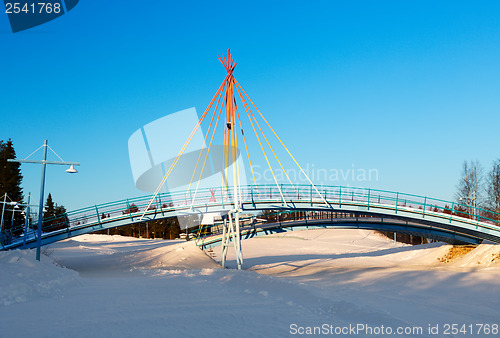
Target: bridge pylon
x,y
231,225
231,233
231,122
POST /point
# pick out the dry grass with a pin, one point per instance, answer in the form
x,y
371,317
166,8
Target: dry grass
x,y
455,252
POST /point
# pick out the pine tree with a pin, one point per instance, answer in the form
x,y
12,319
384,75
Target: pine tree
x,y
10,181
60,210
50,210
55,217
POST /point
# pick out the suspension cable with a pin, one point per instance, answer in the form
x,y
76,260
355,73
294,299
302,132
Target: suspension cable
x,y
279,139
205,140
246,147
174,163
270,147
206,155
262,148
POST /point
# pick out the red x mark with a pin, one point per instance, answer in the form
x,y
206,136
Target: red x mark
x,y
212,199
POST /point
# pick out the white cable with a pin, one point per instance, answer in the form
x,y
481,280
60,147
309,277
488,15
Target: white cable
x,y
55,153
34,152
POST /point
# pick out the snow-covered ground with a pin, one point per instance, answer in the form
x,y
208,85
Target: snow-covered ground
x,y
334,280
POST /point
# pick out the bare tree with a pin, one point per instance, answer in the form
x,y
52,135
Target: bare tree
x,y
493,188
469,187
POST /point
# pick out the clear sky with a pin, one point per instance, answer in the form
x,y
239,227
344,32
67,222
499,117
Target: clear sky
x,y
410,89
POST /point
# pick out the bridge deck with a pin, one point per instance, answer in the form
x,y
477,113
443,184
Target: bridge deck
x,y
388,211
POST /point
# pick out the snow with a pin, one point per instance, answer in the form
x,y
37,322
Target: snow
x,y
407,283
22,278
113,286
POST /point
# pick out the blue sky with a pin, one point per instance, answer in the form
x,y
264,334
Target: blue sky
x,y
408,88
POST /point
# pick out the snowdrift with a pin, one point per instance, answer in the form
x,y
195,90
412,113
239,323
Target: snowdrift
x,y
23,278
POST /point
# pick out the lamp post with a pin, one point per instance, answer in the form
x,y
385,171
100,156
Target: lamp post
x,y
44,162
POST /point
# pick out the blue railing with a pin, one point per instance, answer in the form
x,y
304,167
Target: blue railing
x,y
258,197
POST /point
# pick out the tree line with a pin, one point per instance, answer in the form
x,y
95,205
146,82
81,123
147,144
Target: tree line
x,y
477,196
164,228
480,189
167,228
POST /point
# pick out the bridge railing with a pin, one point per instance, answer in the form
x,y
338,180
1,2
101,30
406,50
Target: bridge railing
x,y
284,218
338,195
285,195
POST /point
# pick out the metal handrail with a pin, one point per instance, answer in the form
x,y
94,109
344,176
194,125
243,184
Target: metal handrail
x,y
336,196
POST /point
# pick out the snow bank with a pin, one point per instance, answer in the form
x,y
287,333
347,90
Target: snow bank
x,y
23,278
351,248
95,238
118,256
181,256
483,256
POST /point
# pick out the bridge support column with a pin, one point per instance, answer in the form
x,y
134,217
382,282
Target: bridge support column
x,y
225,240
231,232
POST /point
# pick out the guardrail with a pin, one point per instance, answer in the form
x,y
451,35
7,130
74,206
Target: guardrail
x,y
253,197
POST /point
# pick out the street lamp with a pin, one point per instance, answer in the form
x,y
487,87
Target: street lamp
x,y
44,162
71,170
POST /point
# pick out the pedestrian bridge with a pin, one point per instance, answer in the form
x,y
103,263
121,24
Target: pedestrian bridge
x,y
267,209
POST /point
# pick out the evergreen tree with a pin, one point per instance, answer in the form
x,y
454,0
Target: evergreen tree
x,y
10,181
60,210
54,216
50,210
